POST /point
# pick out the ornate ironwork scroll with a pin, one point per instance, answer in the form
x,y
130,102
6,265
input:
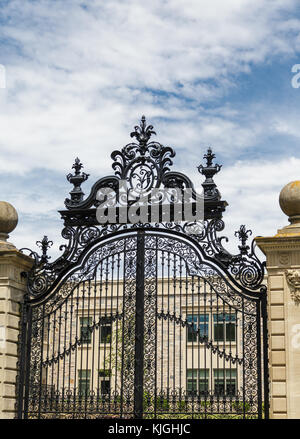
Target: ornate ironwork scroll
x,y
129,322
150,319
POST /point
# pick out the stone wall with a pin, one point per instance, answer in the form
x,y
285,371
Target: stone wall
x,y
12,288
283,265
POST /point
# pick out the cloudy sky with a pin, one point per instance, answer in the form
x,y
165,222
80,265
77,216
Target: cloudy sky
x,y
79,75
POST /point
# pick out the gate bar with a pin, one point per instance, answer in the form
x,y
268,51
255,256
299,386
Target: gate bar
x,y
22,359
265,352
139,327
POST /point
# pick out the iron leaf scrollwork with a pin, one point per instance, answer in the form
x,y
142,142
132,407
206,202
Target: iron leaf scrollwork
x,y
146,165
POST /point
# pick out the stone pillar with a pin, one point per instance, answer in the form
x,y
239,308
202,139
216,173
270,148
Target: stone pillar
x,y
283,266
12,288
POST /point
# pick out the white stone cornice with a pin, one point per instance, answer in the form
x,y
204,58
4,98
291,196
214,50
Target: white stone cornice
x,y
276,243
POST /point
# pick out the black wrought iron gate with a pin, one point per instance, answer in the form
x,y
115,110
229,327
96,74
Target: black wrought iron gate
x,y
153,320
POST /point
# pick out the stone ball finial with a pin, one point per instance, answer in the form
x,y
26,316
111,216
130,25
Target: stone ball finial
x,y
8,219
289,200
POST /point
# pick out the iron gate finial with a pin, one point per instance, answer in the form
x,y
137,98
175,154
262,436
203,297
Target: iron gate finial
x,y
143,133
209,186
243,236
44,244
77,179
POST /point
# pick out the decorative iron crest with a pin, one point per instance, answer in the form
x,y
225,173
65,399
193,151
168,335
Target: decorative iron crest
x,y
145,165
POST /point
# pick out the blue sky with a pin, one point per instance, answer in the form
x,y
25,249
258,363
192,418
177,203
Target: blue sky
x,y
79,75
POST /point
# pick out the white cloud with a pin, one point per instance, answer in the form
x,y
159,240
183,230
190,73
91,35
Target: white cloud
x,y
78,79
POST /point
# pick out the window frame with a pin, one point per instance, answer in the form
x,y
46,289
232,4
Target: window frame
x,y
197,378
87,380
107,323
226,376
86,338
195,318
104,377
224,324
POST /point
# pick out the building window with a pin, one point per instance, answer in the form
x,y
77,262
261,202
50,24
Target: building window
x,y
225,382
197,381
105,330
225,327
199,326
104,378
84,377
85,333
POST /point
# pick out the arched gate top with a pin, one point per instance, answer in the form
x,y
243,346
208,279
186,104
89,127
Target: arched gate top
x,y
143,166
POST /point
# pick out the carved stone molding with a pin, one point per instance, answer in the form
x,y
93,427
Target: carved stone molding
x,y
293,280
284,258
